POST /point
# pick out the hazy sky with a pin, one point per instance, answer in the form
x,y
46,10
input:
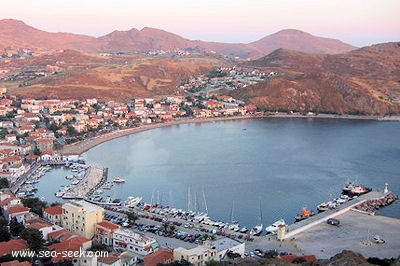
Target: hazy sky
x,y
358,22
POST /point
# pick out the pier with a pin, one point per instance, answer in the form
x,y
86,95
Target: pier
x,y
94,176
353,204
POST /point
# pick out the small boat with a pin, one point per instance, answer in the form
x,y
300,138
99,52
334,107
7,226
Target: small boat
x,y
304,214
234,226
243,230
273,228
107,185
256,230
59,194
69,177
119,180
324,206
75,182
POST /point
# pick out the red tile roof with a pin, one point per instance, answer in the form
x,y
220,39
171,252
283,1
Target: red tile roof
x,y
108,225
160,256
12,245
16,263
17,209
54,210
39,225
110,259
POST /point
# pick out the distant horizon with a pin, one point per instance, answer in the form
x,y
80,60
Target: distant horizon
x,y
357,22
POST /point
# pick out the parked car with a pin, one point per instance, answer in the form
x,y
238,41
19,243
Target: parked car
x,y
333,221
378,239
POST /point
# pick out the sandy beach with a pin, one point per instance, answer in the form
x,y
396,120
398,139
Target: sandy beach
x,y
85,145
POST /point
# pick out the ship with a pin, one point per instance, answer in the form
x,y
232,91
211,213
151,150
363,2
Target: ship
x,y
352,189
273,228
132,201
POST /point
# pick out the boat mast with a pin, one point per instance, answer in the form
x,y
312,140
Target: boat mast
x,y
189,206
205,202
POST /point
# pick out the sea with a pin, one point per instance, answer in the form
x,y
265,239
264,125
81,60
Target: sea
x,y
247,170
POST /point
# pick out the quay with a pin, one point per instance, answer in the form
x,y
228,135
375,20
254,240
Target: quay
x,y
355,232
94,176
308,223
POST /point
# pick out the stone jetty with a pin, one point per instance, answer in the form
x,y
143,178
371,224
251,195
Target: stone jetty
x,y
94,176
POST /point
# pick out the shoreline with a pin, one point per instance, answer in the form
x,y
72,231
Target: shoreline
x,y
80,147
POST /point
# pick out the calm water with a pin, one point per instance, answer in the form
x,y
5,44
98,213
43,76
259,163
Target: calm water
x,y
285,164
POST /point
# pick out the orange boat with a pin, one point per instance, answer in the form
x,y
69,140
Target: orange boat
x,y
304,214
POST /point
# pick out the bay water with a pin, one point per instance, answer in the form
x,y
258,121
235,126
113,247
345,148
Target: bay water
x,y
234,167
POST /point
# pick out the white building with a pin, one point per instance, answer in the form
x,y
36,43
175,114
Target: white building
x,y
124,239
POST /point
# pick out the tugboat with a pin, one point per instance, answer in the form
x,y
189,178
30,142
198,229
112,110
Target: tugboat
x,y
304,214
352,189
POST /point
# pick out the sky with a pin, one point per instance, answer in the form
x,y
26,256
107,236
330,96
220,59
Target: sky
x,y
357,22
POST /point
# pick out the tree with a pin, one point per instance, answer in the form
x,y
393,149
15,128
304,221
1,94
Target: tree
x,y
15,227
132,217
4,234
34,238
35,204
4,183
213,263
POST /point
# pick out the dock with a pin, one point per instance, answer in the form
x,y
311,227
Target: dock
x,y
94,176
312,221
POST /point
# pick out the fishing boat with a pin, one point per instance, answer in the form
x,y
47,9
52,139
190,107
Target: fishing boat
x,y
132,201
69,177
273,228
119,180
304,214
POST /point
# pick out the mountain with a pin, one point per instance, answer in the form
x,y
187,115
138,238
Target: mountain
x,y
363,81
16,34
300,41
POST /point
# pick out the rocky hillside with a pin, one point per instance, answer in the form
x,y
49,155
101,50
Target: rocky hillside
x,y
72,74
363,81
16,35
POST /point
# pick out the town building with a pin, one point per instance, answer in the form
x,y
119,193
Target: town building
x,y
197,256
81,217
128,240
53,214
104,232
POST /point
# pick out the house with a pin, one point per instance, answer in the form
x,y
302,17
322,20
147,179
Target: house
x,y
11,137
198,256
53,214
42,226
223,245
81,217
128,240
44,144
104,232
68,242
16,263
112,259
13,245
161,256
17,211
